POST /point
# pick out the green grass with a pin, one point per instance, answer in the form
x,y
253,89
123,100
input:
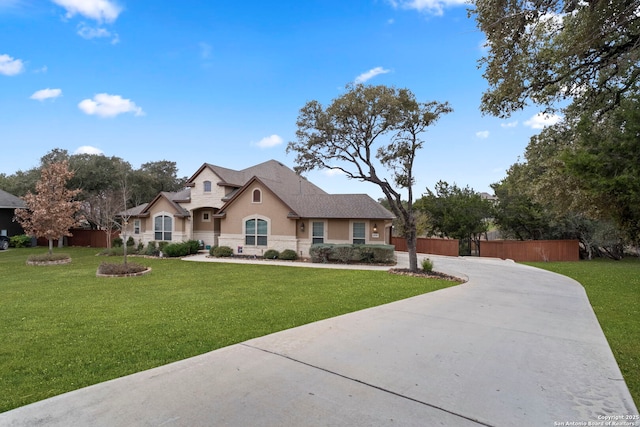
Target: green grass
x,y
613,288
62,328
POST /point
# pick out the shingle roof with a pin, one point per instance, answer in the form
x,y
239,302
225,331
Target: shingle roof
x,y
271,173
9,201
345,206
305,199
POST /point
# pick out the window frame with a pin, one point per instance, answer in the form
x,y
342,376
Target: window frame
x,y
259,233
206,186
258,192
359,240
163,233
317,238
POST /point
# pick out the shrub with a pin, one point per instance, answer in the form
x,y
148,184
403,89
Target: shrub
x,y
289,255
20,241
320,252
271,254
140,246
427,265
342,253
384,254
221,251
130,241
116,242
162,245
152,249
129,268
194,246
176,250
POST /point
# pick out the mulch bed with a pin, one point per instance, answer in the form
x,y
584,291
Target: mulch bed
x,y
425,274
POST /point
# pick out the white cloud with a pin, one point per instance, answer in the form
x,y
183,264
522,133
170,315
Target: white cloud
x,y
483,134
47,93
105,105
542,120
509,125
87,149
332,172
87,32
270,141
10,66
98,10
370,74
433,7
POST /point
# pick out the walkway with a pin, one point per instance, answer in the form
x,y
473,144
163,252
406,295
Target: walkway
x,y
512,346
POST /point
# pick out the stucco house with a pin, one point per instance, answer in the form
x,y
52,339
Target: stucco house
x,y
8,204
266,206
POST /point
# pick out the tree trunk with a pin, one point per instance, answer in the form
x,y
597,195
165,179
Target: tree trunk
x,y
412,250
50,246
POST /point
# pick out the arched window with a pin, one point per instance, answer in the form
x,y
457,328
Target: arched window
x,y
207,186
256,232
257,196
162,227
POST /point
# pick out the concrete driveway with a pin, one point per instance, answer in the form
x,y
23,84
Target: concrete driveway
x,y
512,346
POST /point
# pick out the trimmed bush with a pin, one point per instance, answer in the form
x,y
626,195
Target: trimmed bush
x,y
194,246
130,241
162,245
383,254
20,241
343,253
320,252
427,265
116,242
271,254
289,255
176,250
152,249
221,251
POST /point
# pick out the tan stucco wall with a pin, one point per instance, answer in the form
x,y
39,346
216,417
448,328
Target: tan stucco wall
x,y
199,224
271,208
209,199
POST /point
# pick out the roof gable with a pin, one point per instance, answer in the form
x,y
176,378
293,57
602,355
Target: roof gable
x,y
9,201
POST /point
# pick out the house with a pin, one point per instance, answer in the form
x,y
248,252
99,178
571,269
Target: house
x,y
266,206
8,204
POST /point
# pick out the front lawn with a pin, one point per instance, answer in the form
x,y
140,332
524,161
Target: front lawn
x,y
613,288
63,328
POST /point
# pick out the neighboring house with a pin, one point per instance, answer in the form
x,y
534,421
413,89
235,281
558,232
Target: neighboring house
x,y
267,206
8,204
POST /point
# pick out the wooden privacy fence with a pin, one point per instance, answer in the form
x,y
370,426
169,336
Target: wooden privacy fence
x,y
447,247
83,237
531,250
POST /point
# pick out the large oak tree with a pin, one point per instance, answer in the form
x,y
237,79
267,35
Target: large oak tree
x,y
365,131
546,51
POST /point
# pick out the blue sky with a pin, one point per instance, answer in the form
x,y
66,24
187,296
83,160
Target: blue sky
x,y
222,82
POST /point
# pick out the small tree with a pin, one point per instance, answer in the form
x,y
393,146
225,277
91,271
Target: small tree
x,y
344,136
50,212
456,212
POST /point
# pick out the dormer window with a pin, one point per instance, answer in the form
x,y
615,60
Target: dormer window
x,y
257,196
207,186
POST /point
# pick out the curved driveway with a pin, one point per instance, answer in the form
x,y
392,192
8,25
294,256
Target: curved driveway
x,y
512,346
